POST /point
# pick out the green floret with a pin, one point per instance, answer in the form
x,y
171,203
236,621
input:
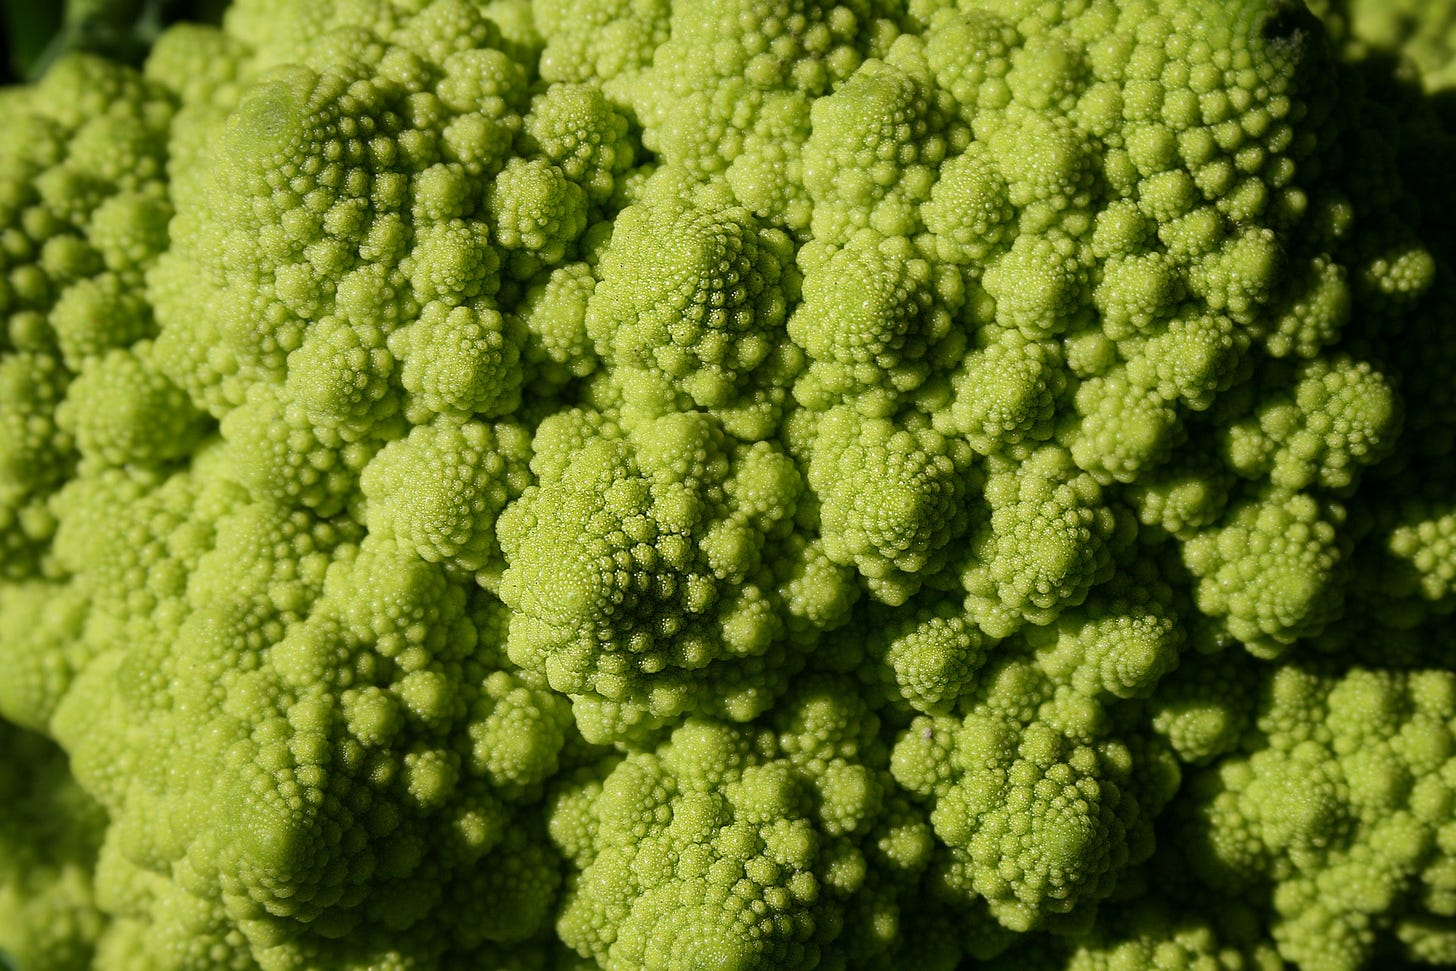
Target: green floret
x,y
1152,932
120,410
1272,571
1317,310
95,315
1423,33
731,89
1183,496
439,490
1341,415
201,64
1040,805
280,455
875,322
969,211
1040,285
1124,430
1137,291
1337,807
1186,363
553,311
1121,646
733,847
33,456
41,648
699,295
598,40
459,361
892,497
871,158
656,570
536,212
1044,545
355,255
261,768
1202,707
1425,546
931,651
574,127
1005,395
338,377
83,214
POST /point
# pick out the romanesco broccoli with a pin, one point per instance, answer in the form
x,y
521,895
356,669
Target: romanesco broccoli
x,y
733,484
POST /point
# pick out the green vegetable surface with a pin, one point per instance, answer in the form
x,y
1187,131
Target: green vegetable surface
x,y
732,484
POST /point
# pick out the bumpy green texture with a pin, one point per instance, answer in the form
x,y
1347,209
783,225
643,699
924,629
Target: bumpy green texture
x,y
1337,806
742,846
733,484
656,572
49,835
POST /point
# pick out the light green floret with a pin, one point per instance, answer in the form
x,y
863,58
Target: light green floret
x,y
536,213
41,648
1188,362
98,314
1340,416
1040,285
322,308
1271,571
1040,805
1121,645
969,212
1201,933
281,454
1425,543
892,497
969,52
305,713
120,410
1183,496
697,294
1421,32
876,322
575,128
1124,431
439,490
1202,708
35,456
390,222
1006,395
339,377
203,66
931,651
600,39
730,93
631,484
1317,310
83,214
1045,544
459,361
1046,158
1340,806
558,348
656,570
740,847
874,150
1137,292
